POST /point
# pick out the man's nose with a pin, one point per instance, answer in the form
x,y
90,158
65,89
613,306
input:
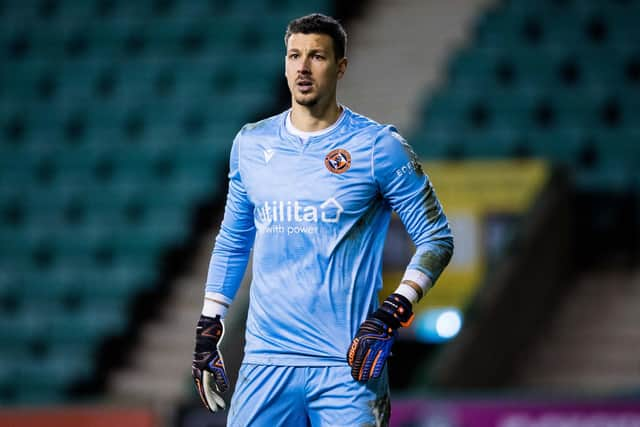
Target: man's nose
x,y
303,68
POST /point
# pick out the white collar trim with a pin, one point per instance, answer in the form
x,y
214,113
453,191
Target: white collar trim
x,y
306,135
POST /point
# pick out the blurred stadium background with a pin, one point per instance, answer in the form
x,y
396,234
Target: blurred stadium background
x,y
116,119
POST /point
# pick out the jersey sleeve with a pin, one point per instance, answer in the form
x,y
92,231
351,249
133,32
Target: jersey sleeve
x,y
410,194
235,239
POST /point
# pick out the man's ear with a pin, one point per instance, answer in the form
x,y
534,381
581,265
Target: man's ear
x,y
342,67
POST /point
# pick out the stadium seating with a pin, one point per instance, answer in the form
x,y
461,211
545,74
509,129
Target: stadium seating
x,y
116,119
551,79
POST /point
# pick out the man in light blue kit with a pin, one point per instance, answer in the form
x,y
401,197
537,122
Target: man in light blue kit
x,y
311,191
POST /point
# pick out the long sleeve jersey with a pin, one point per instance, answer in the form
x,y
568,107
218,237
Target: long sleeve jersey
x,y
316,214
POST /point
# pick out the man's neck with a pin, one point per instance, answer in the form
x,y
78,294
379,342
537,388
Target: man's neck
x,y
313,119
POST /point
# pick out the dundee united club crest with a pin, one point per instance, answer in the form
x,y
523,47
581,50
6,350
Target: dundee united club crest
x,y
338,161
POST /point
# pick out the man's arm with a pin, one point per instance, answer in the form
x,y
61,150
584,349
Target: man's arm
x,y
411,195
233,243
227,266
407,189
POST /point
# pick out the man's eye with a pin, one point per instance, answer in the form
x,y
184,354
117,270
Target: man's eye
x,y
293,56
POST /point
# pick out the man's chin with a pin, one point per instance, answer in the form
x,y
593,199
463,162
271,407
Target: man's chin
x,y
305,101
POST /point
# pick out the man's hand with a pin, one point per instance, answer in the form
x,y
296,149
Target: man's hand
x,y
207,367
372,345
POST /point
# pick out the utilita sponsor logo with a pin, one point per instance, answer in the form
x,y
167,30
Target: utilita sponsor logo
x,y
272,215
293,211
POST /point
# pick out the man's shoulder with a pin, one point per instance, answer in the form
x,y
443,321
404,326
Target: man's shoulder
x,y
267,126
361,123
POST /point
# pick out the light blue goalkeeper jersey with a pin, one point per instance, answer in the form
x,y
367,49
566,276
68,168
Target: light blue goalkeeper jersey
x,y
316,214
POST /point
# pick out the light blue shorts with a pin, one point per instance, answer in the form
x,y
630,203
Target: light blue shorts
x,y
299,396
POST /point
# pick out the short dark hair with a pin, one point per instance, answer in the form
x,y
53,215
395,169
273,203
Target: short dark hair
x,y
317,23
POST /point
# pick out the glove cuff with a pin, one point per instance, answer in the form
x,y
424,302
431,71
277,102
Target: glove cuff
x,y
395,311
208,333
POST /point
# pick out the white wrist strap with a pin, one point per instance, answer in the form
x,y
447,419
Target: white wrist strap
x,y
414,285
215,304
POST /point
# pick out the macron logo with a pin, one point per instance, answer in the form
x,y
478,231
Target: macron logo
x,y
268,154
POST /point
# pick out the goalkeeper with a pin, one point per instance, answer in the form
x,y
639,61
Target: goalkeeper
x,y
311,192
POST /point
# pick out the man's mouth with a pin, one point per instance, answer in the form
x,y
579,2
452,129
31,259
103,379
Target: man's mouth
x,y
304,85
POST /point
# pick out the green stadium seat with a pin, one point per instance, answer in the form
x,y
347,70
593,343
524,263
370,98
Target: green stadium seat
x,y
10,286
561,145
491,144
604,179
89,324
618,148
433,144
54,370
601,67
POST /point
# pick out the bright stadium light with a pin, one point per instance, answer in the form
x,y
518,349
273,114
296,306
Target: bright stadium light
x,y
448,324
438,325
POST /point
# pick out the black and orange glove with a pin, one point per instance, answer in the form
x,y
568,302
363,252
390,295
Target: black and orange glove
x,y
208,367
372,344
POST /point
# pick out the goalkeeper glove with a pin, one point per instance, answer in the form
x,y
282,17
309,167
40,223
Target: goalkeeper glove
x,y
372,345
208,367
